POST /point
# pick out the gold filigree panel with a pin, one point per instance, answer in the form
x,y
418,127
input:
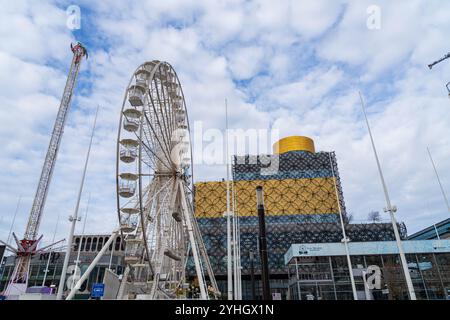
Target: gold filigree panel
x,y
281,197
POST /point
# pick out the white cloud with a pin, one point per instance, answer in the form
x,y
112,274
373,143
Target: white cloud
x,y
303,94
301,59
245,62
312,18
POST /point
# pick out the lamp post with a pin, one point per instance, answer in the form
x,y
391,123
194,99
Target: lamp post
x,y
75,217
263,244
391,209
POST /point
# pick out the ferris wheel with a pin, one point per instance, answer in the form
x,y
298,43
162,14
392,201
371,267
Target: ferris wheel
x,y
154,190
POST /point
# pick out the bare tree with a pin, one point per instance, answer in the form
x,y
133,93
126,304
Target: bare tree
x,y
374,216
348,218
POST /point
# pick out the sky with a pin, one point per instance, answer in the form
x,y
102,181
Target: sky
x,y
294,67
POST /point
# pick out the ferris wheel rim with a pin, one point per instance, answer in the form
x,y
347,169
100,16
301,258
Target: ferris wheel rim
x,y
141,189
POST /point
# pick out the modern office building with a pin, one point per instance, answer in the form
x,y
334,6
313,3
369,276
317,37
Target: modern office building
x,y
319,271
46,268
440,230
302,195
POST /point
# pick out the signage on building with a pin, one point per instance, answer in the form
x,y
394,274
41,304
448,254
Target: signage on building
x,y
98,289
362,248
276,296
53,258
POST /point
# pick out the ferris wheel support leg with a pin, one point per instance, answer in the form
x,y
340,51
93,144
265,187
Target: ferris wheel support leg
x,y
194,248
91,267
123,283
204,254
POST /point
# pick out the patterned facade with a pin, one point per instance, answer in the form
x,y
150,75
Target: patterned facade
x,y
301,207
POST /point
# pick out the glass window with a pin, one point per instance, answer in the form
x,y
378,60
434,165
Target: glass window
x,y
100,243
88,244
77,244
374,260
94,244
117,246
83,244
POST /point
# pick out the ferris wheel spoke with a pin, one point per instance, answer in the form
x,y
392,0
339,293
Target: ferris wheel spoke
x,y
164,133
153,129
161,93
162,106
167,110
148,149
166,150
152,157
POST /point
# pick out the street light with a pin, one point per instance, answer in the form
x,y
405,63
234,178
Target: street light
x,y
263,243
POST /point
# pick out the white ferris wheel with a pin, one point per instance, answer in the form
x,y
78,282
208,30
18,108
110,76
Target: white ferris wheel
x,y
154,189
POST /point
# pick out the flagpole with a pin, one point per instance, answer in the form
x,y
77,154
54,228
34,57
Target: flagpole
x,y
14,220
439,180
391,209
228,213
77,261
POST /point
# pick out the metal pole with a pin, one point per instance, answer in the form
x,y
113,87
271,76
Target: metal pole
x,y
14,220
92,265
238,232
74,219
111,256
77,261
195,254
345,239
298,279
51,251
391,209
236,254
437,233
229,258
439,180
252,275
11,229
263,244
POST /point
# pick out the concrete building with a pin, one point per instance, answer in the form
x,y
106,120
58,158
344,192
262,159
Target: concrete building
x,y
319,271
440,230
90,246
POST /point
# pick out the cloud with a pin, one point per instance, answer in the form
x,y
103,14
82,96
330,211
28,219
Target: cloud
x,y
246,62
312,18
294,66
